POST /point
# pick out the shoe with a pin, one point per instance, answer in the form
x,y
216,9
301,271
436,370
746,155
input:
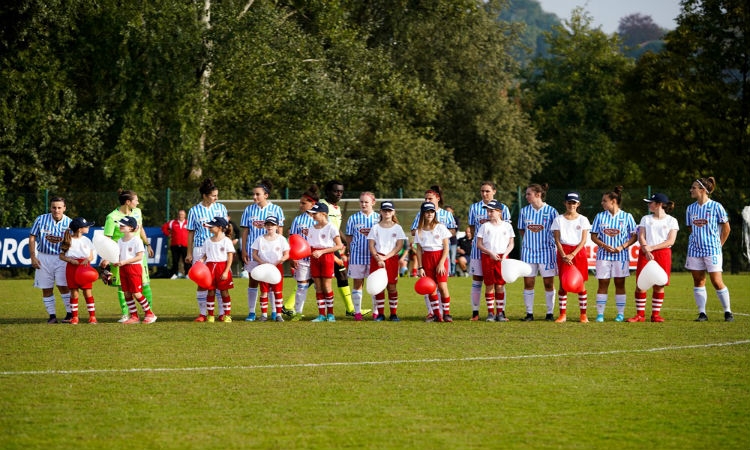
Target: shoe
x,y
226,318
350,314
366,311
52,320
619,318
67,318
279,318
210,319
500,317
702,317
263,318
151,318
600,317
584,318
476,318
637,318
320,318
273,316
331,318
549,317
125,317
296,317
490,318
250,317
728,316
358,317
657,318
174,277
73,320
132,320
430,318
92,319
379,318
562,319
287,312
447,318
394,318
200,318
528,318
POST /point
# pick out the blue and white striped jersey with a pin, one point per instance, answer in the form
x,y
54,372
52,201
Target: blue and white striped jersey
x,y
704,220
477,217
254,217
613,230
537,242
198,215
300,225
48,233
358,227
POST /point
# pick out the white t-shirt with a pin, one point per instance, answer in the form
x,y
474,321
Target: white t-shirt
x,y
657,230
322,237
432,240
496,237
217,251
571,230
386,238
80,248
271,251
128,249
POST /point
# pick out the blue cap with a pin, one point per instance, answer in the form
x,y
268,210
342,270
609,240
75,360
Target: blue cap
x,y
78,223
658,198
272,219
129,221
387,205
493,204
217,222
573,197
428,206
318,208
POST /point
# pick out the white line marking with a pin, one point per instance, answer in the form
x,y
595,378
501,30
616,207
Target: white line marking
x,y
366,363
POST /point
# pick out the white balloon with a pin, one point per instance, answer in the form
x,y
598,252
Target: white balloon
x,y
267,273
377,282
513,269
652,275
106,248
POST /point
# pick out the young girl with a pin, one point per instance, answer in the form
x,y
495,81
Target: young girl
x,y
709,228
301,268
613,230
656,235
218,253
253,226
77,250
324,241
271,248
358,227
130,266
495,241
538,248
571,232
386,239
203,212
432,239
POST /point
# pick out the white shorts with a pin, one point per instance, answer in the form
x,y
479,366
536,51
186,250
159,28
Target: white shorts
x,y
545,270
302,272
359,271
612,269
51,272
710,264
475,267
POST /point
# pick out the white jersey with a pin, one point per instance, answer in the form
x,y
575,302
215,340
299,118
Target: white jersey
x,y
657,230
496,237
322,237
386,238
271,251
432,240
218,251
477,217
80,248
571,231
128,249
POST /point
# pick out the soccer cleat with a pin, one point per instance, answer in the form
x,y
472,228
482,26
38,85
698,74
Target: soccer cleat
x,y
366,312
476,318
350,314
92,319
637,318
226,318
174,277
600,317
125,317
320,318
210,319
67,318
549,317
132,320
273,316
728,316
52,320
151,318
702,317
619,318
529,317
296,317
287,312
73,320
394,318
500,317
379,318
263,318
562,319
250,317
490,318
279,318
358,317
331,318
447,318
429,318
584,318
200,318
656,318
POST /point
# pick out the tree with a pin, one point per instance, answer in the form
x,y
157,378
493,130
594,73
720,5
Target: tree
x,y
637,29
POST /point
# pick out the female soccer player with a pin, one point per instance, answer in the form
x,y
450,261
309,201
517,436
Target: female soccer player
x,y
357,229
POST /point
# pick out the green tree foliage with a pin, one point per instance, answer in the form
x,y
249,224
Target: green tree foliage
x,y
534,22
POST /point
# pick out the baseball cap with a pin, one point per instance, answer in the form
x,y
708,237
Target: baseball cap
x,y
427,206
658,198
318,208
78,223
492,204
387,205
217,222
272,219
129,221
573,197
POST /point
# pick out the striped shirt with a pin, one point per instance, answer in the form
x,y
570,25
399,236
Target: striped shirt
x,y
358,227
613,230
477,216
300,225
49,233
254,217
443,216
198,215
537,242
705,235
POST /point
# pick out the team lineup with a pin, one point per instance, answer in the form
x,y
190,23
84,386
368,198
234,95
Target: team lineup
x,y
374,246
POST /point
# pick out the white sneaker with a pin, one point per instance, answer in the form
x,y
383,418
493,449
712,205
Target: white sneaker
x,y
244,274
174,277
150,318
124,318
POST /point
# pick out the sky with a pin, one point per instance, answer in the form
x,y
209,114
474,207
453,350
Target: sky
x,y
607,13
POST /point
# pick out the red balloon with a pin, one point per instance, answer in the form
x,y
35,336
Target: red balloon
x,y
425,286
200,274
571,279
85,275
299,248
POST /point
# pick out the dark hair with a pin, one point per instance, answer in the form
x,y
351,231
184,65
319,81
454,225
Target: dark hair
x,y
615,194
207,186
312,193
228,230
708,183
540,189
265,185
65,244
490,184
668,207
58,199
124,195
437,190
329,186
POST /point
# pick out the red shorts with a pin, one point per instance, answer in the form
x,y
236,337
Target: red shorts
x,y
70,276
580,261
278,287
430,261
131,278
663,257
492,271
216,269
391,267
321,267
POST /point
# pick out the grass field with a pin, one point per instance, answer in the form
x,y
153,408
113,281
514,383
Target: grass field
x,y
178,384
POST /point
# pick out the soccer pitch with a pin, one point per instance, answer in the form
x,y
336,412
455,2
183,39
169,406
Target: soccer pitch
x,y
178,384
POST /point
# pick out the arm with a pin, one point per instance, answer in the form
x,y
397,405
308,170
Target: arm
x,y
511,246
191,240
146,244
723,236
245,233
135,259
444,256
32,251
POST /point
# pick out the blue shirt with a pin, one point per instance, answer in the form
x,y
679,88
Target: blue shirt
x,y
705,235
198,215
613,230
48,233
358,227
538,243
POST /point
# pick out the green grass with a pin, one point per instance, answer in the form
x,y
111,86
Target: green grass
x,y
178,384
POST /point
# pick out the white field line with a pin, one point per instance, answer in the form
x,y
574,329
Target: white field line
x,y
367,363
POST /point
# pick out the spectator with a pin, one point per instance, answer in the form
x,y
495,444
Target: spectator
x,y
176,230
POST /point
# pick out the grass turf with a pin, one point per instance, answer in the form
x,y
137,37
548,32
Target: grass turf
x,y
179,384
